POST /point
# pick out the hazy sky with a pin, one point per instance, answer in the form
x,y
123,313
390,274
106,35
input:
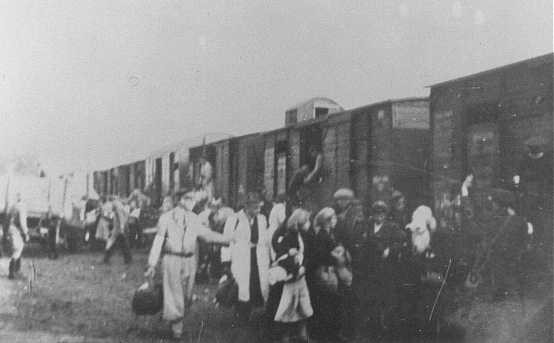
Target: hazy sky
x,y
97,83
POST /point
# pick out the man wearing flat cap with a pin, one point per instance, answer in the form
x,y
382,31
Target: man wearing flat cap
x,y
534,180
176,242
382,241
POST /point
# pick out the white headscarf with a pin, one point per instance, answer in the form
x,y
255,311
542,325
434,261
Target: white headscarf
x,y
422,225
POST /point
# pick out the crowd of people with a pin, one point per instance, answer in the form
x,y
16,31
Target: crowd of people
x,y
344,270
331,273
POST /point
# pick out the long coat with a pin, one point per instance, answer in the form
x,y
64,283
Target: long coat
x,y
238,253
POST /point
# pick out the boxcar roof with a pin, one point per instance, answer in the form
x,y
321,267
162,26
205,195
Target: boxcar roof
x,y
389,101
539,60
314,99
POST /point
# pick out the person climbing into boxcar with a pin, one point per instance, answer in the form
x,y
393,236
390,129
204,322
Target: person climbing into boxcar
x,y
50,222
176,243
315,165
118,236
18,235
248,257
499,257
300,188
534,180
288,306
296,192
384,241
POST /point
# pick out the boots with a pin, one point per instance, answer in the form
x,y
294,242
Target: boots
x,y
18,265
11,270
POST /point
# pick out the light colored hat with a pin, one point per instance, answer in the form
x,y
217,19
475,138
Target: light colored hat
x,y
343,193
379,207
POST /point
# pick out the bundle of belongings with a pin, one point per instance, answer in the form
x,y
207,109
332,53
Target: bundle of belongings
x,y
148,299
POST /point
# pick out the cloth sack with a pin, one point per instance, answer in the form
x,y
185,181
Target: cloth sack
x,y
342,269
276,274
326,279
227,291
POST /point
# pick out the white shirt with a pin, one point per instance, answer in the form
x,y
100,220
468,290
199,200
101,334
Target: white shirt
x,y
377,227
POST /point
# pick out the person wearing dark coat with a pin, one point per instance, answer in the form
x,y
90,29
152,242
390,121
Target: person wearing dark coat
x,y
377,282
506,245
327,304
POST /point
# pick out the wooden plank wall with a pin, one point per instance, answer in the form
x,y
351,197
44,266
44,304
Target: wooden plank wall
x,y
269,165
360,141
523,96
329,150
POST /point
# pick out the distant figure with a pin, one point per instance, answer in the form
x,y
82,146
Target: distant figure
x,y
118,233
50,221
135,229
18,234
105,221
206,177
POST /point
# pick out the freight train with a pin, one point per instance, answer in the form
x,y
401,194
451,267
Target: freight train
x,y
423,146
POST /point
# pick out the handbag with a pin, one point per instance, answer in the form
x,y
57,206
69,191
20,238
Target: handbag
x,y
148,299
342,269
326,279
227,293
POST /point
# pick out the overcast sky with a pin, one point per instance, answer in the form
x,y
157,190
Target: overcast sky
x,y
90,84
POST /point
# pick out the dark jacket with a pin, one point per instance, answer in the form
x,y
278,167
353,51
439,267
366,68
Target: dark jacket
x,y
324,244
373,244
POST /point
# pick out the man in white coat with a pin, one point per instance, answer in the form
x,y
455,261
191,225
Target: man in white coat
x,y
176,239
248,256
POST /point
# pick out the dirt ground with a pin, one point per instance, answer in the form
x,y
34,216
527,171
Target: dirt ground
x,y
79,299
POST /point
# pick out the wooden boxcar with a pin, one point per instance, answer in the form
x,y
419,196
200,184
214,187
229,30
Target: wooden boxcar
x,y
480,123
388,138
237,163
